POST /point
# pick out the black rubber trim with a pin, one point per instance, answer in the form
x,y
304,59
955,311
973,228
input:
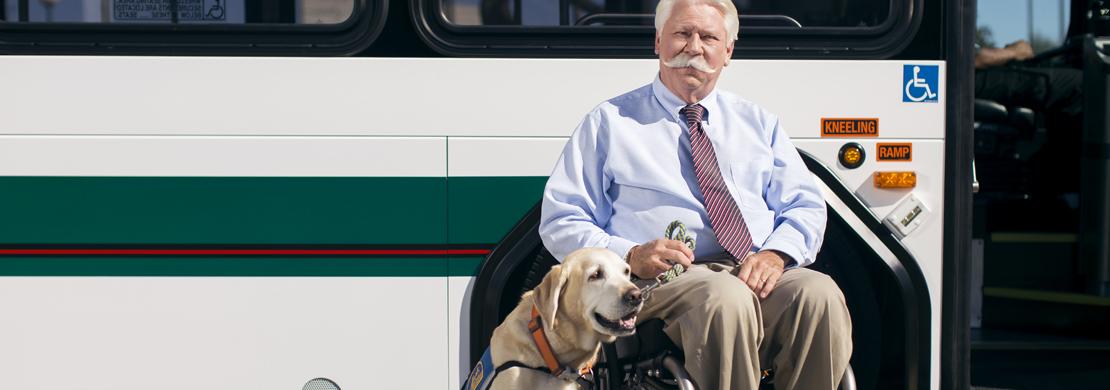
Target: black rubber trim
x,y
955,321
515,249
907,273
882,41
347,38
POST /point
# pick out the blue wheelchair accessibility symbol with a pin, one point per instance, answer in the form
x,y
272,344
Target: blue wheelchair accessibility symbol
x,y
920,83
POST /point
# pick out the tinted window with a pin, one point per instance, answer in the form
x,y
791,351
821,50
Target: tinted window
x,y
1042,23
754,13
190,27
179,11
625,28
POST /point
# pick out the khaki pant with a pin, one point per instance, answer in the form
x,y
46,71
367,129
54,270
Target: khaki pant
x,y
802,330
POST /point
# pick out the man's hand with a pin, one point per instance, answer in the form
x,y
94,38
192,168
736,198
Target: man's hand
x,y
1021,50
988,57
762,270
655,257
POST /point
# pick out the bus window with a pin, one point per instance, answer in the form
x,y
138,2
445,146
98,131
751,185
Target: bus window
x,y
1042,23
190,27
618,28
178,11
753,13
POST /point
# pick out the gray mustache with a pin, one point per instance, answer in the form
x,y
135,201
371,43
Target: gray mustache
x,y
684,60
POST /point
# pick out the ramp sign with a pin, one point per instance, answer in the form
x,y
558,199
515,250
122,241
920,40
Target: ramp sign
x,y
920,84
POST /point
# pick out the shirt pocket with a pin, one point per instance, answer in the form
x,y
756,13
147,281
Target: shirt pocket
x,y
636,191
750,179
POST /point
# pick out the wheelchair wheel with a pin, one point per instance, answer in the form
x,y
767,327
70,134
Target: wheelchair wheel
x,y
662,372
667,373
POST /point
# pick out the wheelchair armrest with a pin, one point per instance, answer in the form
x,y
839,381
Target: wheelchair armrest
x,y
1020,120
1023,118
990,111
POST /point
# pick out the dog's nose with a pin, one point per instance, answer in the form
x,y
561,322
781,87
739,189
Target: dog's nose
x,y
633,297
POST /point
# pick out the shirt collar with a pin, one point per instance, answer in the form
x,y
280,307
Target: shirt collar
x,y
672,104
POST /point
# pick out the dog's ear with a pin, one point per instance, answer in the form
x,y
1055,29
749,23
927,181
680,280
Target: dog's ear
x,y
547,294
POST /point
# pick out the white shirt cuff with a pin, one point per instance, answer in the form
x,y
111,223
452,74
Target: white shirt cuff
x,y
621,246
789,248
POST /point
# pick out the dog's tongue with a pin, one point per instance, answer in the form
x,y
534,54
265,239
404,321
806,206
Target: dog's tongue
x,y
628,322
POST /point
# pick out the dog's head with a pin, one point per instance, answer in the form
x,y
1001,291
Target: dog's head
x,y
591,289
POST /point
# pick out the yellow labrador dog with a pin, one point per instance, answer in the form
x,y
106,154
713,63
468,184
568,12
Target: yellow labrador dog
x,y
586,300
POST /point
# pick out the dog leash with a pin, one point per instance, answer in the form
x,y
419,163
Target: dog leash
x,y
662,279
675,231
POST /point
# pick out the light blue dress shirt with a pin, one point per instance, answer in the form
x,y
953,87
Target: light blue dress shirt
x,y
626,173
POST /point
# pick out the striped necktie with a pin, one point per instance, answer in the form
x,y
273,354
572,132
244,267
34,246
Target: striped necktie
x,y
724,215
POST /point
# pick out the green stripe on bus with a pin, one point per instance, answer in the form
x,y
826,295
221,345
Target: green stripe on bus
x,y
484,209
256,210
239,266
222,210
464,266
263,210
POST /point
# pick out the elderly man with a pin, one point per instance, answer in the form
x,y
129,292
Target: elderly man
x,y
679,149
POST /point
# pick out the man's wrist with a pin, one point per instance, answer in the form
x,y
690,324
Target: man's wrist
x,y
620,246
787,260
628,256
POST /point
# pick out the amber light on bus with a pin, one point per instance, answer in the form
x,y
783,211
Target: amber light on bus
x,y
902,179
851,155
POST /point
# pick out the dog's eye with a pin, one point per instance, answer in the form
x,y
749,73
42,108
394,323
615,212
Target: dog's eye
x,y
597,275
627,272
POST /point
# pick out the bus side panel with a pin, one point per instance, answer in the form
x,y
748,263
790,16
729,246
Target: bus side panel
x,y
172,318
222,332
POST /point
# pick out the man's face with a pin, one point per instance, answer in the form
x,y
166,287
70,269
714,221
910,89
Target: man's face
x,y
695,32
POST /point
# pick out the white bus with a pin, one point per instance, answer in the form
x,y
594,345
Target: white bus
x,y
249,194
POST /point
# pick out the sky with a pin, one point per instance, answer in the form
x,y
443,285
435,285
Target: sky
x,y
1009,19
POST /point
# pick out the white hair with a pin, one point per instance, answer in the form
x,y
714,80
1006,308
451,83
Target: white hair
x,y
732,18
